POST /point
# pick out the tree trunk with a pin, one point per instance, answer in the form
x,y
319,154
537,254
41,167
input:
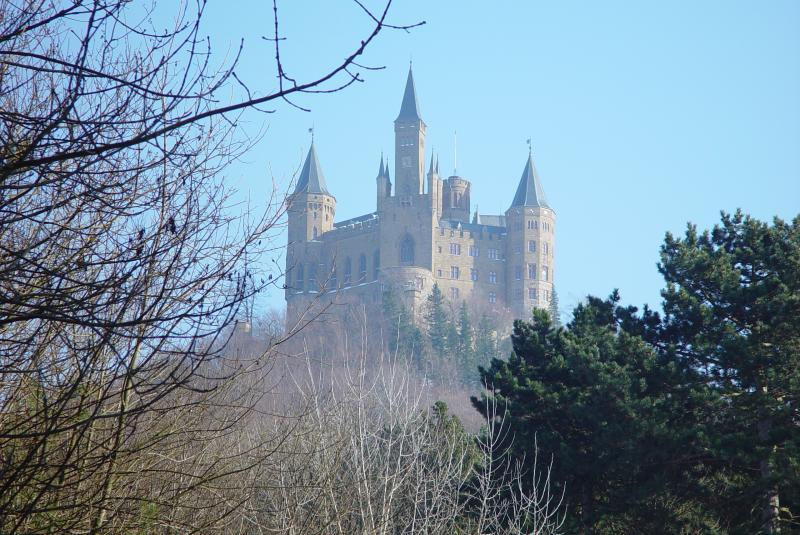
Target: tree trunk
x,y
771,513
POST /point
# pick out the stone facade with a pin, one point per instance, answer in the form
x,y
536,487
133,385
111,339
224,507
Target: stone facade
x,y
419,235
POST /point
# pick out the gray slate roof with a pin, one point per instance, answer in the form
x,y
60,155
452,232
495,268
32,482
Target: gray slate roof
x,y
409,110
491,220
530,191
311,178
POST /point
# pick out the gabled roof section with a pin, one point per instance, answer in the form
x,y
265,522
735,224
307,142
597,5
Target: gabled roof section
x,y
311,178
409,110
530,191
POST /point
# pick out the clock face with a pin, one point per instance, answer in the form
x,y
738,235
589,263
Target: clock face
x,y
405,161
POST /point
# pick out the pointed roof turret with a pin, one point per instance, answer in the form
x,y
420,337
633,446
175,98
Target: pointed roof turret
x,y
311,178
409,110
431,170
382,169
530,191
475,218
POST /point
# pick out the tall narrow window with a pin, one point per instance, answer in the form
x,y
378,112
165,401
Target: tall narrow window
x,y
454,293
312,278
376,264
492,297
546,248
532,271
473,274
300,279
454,272
492,277
362,268
348,271
545,273
314,232
532,294
531,246
333,282
518,273
407,250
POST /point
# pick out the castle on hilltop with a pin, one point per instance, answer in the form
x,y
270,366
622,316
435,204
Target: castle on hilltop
x,y
420,234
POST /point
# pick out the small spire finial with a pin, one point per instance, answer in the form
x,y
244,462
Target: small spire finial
x,y
311,131
530,147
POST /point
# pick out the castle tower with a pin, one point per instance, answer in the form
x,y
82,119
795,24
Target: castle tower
x,y
310,215
455,198
409,135
530,266
384,185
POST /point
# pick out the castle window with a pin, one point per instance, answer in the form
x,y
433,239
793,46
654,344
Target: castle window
x,y
314,234
532,246
333,281
545,273
493,254
376,264
300,277
362,268
454,293
492,277
532,294
546,295
348,271
454,272
546,248
407,250
473,250
518,273
492,297
438,272
532,224
312,278
439,249
473,274
532,271
455,248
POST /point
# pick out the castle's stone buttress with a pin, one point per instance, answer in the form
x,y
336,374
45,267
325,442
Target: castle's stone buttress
x,y
419,234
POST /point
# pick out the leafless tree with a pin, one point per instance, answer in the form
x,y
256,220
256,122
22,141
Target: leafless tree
x,y
122,265
364,455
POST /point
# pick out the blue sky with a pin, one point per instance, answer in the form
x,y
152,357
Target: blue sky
x,y
643,115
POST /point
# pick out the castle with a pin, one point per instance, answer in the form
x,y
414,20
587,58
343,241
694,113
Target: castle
x,y
419,235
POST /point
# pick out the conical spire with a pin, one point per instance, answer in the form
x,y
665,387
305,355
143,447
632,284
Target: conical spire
x,y
475,218
431,170
382,170
311,178
530,191
437,164
386,171
409,110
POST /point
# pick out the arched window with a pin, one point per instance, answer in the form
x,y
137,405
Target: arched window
x,y
362,268
314,234
300,279
332,281
348,271
376,264
407,250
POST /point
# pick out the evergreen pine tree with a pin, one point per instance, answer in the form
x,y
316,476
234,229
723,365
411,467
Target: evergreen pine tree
x,y
466,352
437,322
555,314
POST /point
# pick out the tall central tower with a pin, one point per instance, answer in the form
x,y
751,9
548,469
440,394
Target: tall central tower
x,y
409,144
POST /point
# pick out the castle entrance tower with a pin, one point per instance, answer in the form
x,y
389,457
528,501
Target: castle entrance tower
x,y
530,254
310,211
